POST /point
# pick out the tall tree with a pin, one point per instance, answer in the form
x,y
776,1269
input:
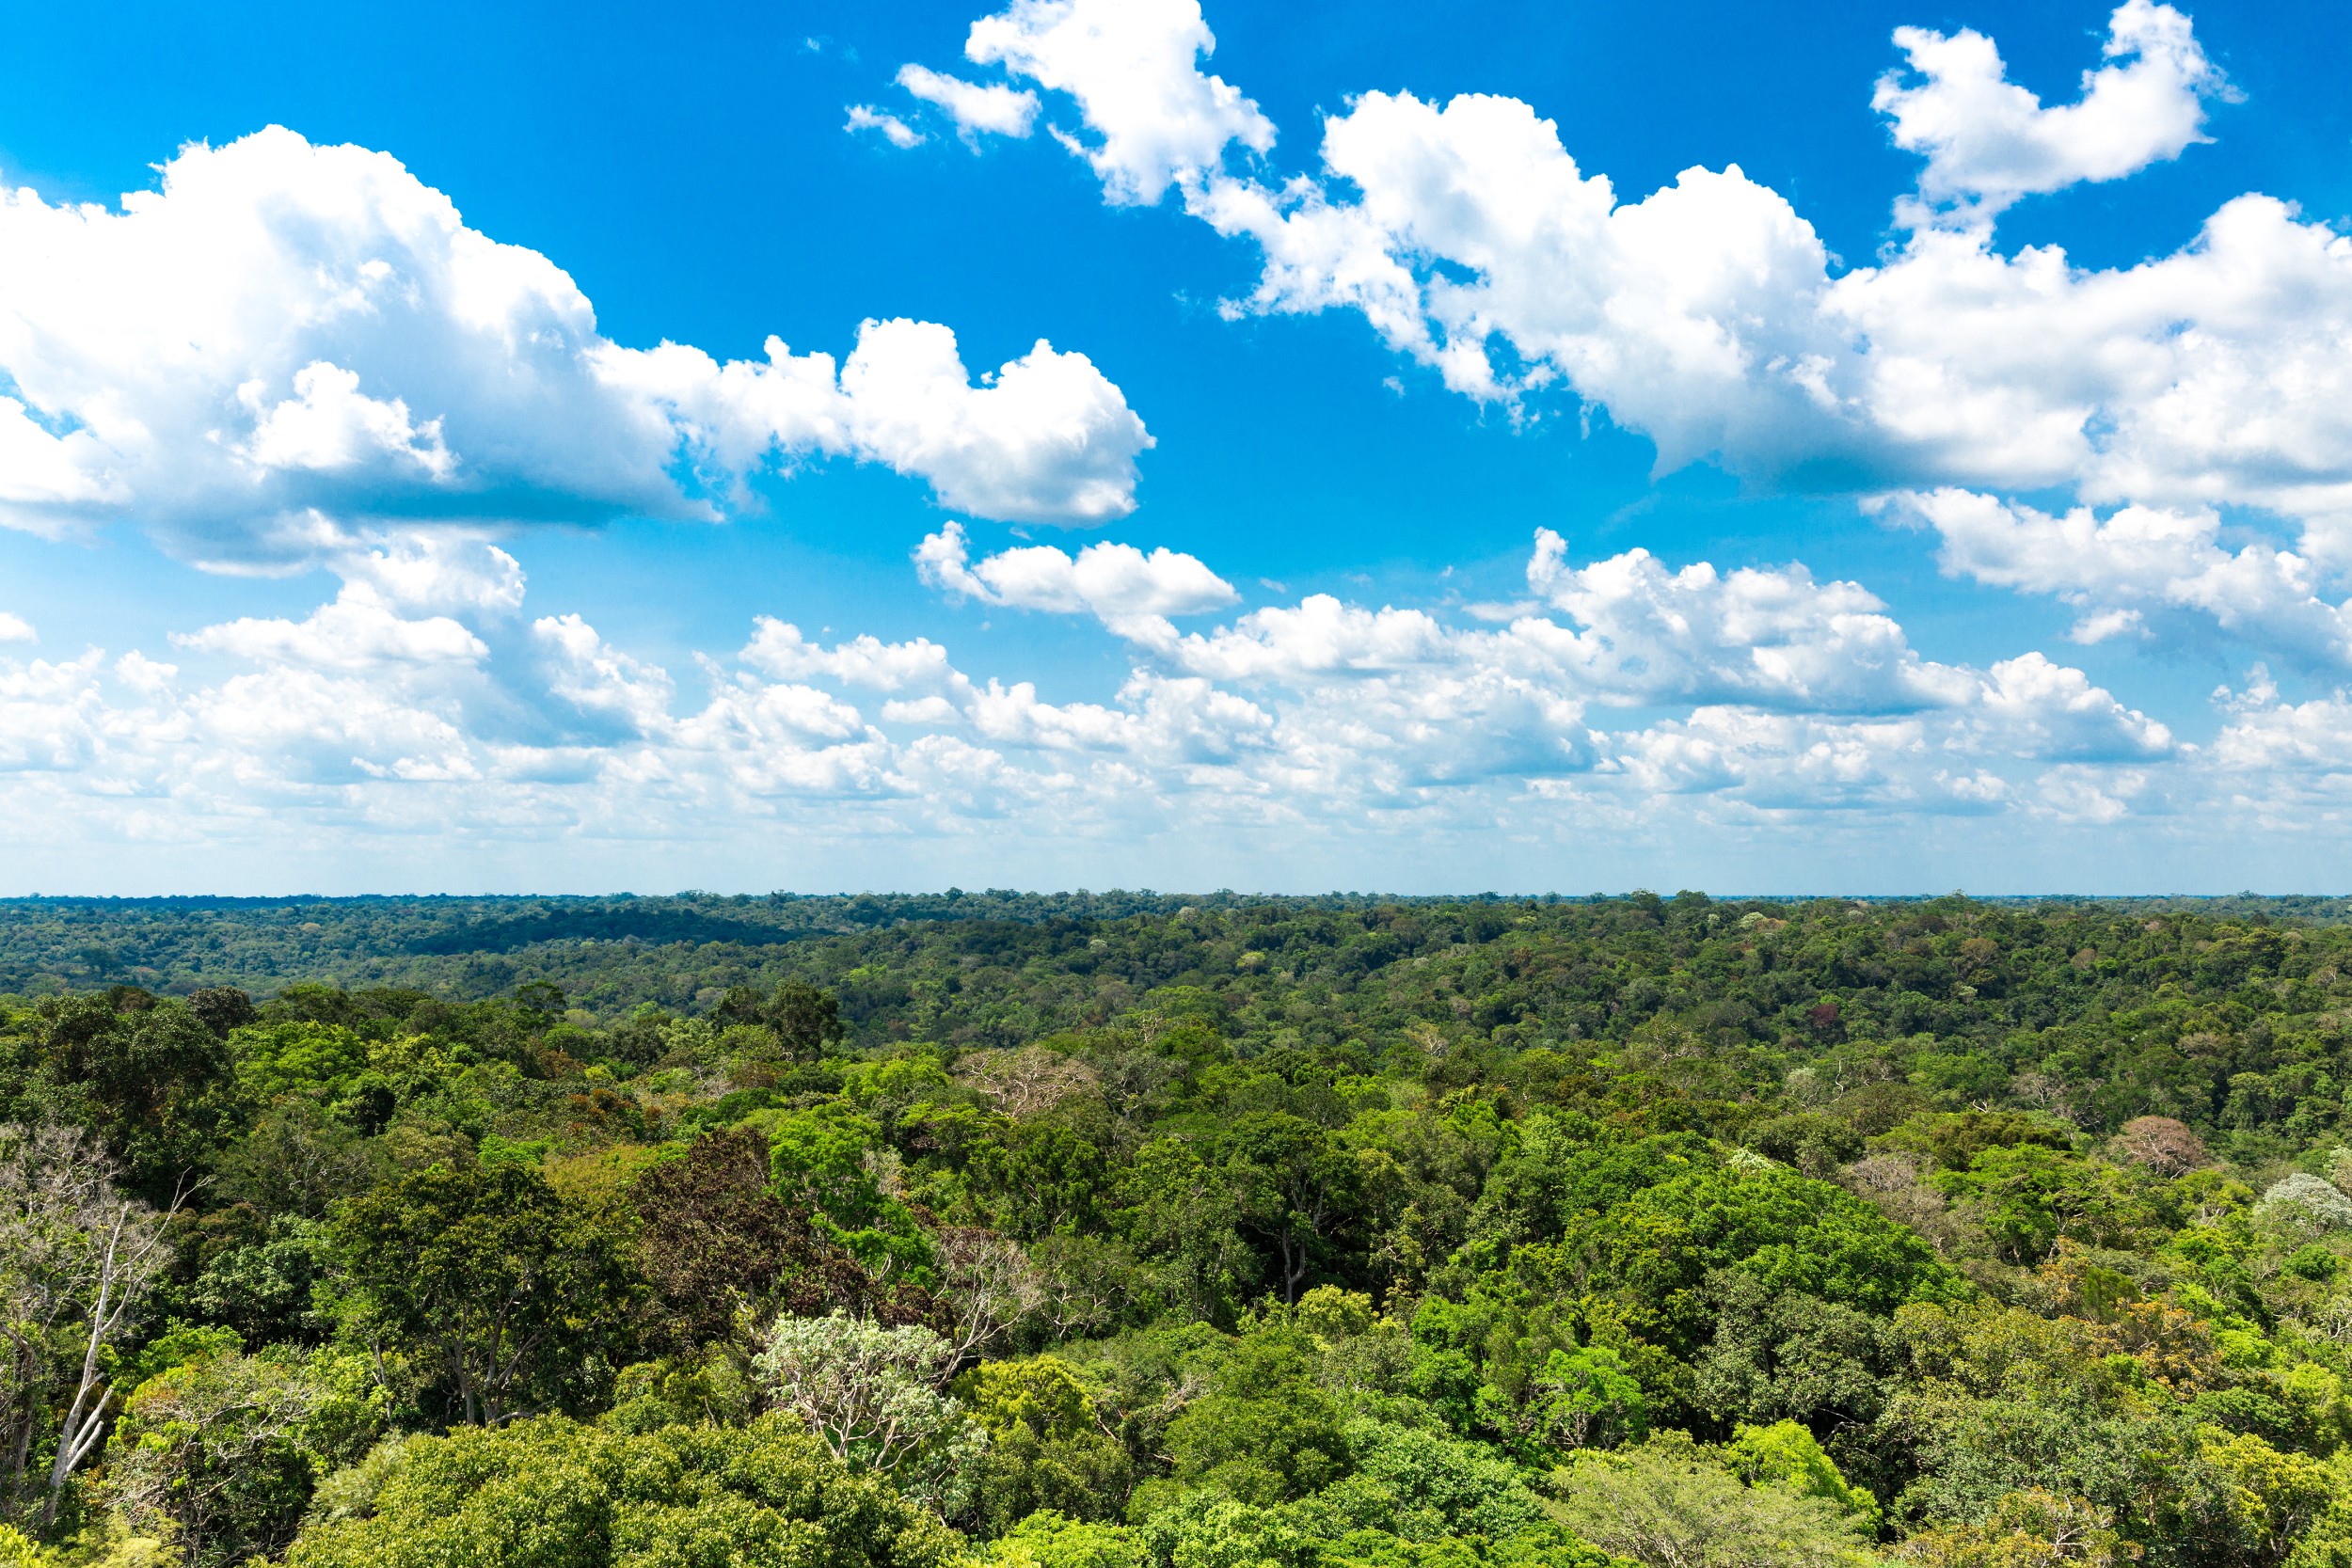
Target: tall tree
x,y
719,1247
511,1293
78,1259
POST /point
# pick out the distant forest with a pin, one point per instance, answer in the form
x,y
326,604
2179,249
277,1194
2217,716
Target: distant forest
x,y
1141,1230
471,948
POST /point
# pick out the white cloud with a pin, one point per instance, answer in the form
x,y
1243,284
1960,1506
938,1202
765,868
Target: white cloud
x,y
357,631
2138,564
15,628
439,570
1128,591
1709,317
2043,709
328,426
1989,141
1774,637
896,132
599,680
1045,439
994,109
2270,739
1320,636
287,350
779,649
1132,65
1750,697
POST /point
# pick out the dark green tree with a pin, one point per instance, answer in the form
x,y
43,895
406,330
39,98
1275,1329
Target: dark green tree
x,y
516,1299
805,1020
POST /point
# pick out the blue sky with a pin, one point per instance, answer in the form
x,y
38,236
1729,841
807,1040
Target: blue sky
x,y
346,552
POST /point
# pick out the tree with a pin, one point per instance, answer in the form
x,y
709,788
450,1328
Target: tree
x,y
2031,1529
2164,1146
513,1294
718,1248
144,1073
208,1454
1295,1189
1048,1447
871,1395
1265,1434
1786,1454
1050,1539
805,1020
549,1493
77,1260
1028,1081
296,1161
1667,1505
1586,1397
221,1008
987,1286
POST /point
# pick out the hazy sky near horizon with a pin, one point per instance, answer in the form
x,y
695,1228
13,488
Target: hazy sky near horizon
x,y
1119,442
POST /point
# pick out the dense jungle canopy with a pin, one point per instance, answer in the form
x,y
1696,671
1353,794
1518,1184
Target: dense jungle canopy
x,y
1140,1231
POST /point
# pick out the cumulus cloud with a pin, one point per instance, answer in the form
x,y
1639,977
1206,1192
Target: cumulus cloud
x,y
357,631
1989,141
1132,65
779,649
2268,739
422,694
1131,593
2138,567
285,351
1709,316
447,569
1775,637
992,109
15,628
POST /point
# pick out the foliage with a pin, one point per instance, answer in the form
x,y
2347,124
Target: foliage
x,y
549,1492
209,1454
871,1395
1408,1233
511,1297
1669,1506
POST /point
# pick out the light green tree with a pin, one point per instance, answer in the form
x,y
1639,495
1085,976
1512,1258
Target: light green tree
x,y
872,1396
1670,1504
550,1493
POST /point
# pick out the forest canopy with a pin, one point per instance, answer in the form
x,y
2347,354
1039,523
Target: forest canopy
x,y
1076,1231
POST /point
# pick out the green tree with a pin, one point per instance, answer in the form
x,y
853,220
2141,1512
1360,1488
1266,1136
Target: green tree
x,y
143,1074
1295,1191
547,1492
514,1297
805,1020
721,1249
1265,1434
2031,1529
1786,1454
209,1455
1669,1505
1048,1450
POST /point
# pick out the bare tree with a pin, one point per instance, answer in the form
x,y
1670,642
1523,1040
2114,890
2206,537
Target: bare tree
x,y
2161,1144
987,1286
1892,1184
1028,1081
77,1259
